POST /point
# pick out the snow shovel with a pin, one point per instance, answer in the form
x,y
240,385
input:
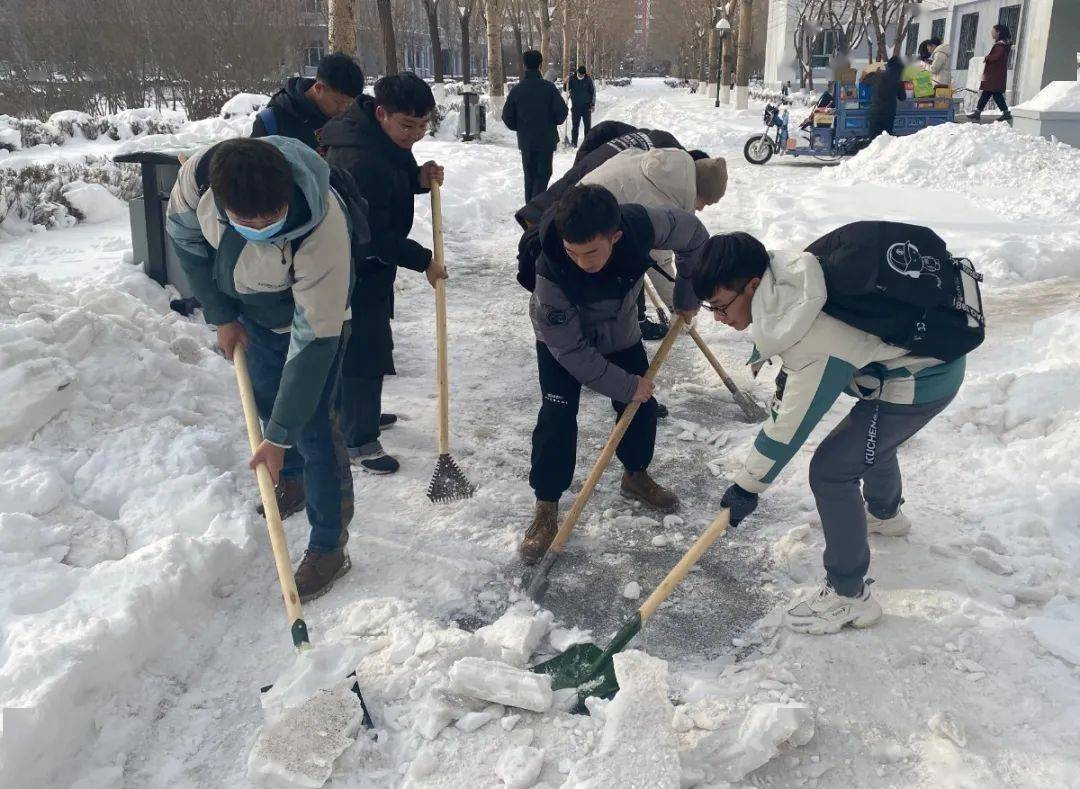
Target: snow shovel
x,y
752,410
589,668
539,582
448,483
278,543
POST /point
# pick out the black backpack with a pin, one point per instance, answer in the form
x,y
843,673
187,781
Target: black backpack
x,y
899,282
353,203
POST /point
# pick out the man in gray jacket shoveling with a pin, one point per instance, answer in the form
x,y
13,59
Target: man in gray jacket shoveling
x,y
594,254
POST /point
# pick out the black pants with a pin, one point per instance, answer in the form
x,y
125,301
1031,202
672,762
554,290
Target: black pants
x,y
360,409
537,166
999,100
880,124
578,115
554,441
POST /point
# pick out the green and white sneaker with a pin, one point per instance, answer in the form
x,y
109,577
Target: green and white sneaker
x,y
896,526
825,611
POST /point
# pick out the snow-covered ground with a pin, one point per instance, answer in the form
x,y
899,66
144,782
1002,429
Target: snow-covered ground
x,y
139,611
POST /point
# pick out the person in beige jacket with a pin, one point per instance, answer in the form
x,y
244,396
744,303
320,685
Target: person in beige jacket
x,y
662,178
940,55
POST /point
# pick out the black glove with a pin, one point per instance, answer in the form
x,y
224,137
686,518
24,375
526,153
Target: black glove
x,y
740,502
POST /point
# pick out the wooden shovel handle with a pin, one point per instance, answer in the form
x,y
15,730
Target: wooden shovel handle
x,y
278,542
679,571
440,322
608,452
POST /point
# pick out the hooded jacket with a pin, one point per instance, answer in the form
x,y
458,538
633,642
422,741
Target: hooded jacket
x,y
823,357
581,316
939,65
297,116
660,177
299,283
640,139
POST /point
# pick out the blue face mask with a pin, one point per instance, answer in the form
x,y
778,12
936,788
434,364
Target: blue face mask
x,y
261,235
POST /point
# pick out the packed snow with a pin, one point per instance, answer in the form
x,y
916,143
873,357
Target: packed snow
x,y
1058,96
140,613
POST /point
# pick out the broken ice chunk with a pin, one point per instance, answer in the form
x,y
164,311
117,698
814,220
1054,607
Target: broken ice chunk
x,y
520,767
493,681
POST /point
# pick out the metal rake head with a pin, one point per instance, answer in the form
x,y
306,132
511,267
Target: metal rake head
x,y
449,482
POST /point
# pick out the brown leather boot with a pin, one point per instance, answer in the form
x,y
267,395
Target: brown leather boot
x,y
639,485
542,530
317,572
290,497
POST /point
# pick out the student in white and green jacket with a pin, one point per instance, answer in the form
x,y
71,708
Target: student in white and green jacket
x,y
778,297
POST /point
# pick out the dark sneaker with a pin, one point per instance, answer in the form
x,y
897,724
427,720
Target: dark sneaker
x,y
373,459
661,411
1007,117
640,486
290,497
542,530
317,572
652,331
974,116
387,421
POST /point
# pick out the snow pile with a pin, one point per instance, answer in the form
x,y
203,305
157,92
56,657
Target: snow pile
x,y
120,516
67,125
1058,96
243,104
191,136
1028,176
60,193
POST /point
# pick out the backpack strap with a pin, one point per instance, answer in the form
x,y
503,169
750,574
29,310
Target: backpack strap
x,y
269,120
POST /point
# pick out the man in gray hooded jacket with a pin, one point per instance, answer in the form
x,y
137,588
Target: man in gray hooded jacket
x,y
584,314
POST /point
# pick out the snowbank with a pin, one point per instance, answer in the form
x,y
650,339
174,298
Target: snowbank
x,y
243,104
68,125
191,135
93,201
122,516
1056,97
1015,173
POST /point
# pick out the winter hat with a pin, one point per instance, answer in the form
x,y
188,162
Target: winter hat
x,y
726,258
711,178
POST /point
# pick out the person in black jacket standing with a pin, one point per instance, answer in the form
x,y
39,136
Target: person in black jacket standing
x,y
301,108
582,100
534,109
887,91
373,141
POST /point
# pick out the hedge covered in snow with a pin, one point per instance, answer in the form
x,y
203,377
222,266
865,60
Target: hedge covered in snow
x,y
33,197
68,125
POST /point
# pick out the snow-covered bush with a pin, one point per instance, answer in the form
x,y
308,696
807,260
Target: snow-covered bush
x,y
71,124
33,196
619,82
243,104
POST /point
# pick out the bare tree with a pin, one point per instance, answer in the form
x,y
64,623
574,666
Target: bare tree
x,y
493,11
464,20
389,40
341,28
431,10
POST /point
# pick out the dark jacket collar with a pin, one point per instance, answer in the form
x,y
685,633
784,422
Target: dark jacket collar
x,y
293,99
358,127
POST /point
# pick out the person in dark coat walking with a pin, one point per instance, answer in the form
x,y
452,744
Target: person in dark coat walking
x,y
582,100
995,74
301,108
534,109
887,91
373,142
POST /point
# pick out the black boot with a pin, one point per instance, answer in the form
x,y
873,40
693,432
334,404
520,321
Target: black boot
x,y
651,331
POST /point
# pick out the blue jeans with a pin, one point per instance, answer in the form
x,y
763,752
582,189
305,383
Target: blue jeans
x,y
327,478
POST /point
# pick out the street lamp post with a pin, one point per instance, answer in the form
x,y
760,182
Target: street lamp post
x,y
723,29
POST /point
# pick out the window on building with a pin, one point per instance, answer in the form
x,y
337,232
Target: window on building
x,y
937,28
313,53
969,27
911,45
824,48
1009,15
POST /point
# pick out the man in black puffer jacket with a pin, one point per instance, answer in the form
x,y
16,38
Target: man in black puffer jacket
x,y
301,108
582,100
534,109
887,91
373,142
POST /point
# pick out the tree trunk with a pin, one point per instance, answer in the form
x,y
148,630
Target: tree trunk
x,y
342,26
494,13
466,54
742,63
714,54
431,8
545,32
565,41
389,42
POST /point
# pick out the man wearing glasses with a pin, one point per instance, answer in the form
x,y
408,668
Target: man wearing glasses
x,y
778,298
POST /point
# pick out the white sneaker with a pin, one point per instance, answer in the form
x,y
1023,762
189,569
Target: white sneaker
x,y
825,611
896,526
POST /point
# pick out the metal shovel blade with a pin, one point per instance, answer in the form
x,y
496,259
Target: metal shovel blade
x,y
538,582
585,667
449,482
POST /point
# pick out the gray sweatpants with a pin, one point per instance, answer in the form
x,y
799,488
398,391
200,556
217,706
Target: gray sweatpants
x,y
862,448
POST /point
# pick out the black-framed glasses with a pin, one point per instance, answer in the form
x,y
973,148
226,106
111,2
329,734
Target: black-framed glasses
x,y
723,308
